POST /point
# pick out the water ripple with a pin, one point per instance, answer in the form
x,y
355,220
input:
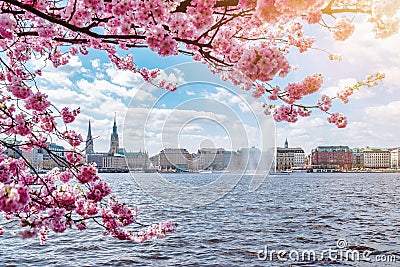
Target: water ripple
x,y
295,212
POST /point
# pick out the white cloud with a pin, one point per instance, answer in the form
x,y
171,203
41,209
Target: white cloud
x,y
103,86
60,76
384,115
85,70
74,62
174,75
100,75
95,63
55,78
342,84
392,81
142,95
154,129
229,98
124,77
61,97
363,93
192,128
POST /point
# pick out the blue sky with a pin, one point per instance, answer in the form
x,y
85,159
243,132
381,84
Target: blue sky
x,y
205,111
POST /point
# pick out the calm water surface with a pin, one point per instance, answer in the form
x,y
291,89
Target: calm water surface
x,y
291,213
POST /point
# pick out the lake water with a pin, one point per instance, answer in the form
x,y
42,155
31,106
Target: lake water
x,y
293,213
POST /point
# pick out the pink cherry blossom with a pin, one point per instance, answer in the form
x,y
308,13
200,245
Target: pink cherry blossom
x,y
7,25
69,116
99,190
37,102
343,29
87,173
338,119
73,157
22,126
325,103
75,139
13,197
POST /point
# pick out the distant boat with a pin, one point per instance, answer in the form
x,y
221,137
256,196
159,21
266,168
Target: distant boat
x,y
205,171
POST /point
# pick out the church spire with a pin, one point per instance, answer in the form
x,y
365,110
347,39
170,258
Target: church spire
x,y
89,141
286,144
115,122
114,141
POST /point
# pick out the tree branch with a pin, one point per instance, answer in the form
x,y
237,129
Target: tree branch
x,y
329,11
69,26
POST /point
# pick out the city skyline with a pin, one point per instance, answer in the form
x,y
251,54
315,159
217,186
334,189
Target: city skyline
x,y
285,144
287,158
100,90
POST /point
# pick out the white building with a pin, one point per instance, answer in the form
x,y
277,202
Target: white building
x,y
290,158
174,159
115,162
210,158
394,158
35,158
376,158
137,161
299,158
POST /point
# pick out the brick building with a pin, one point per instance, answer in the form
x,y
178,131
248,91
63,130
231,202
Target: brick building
x,y
332,157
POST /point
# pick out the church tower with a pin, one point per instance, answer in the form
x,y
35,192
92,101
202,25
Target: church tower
x,y
114,142
286,144
89,141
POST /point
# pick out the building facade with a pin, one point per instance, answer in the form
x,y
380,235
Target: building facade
x,y
288,158
332,157
284,158
35,158
376,158
358,158
394,158
299,158
96,158
210,159
137,161
174,159
55,158
114,163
